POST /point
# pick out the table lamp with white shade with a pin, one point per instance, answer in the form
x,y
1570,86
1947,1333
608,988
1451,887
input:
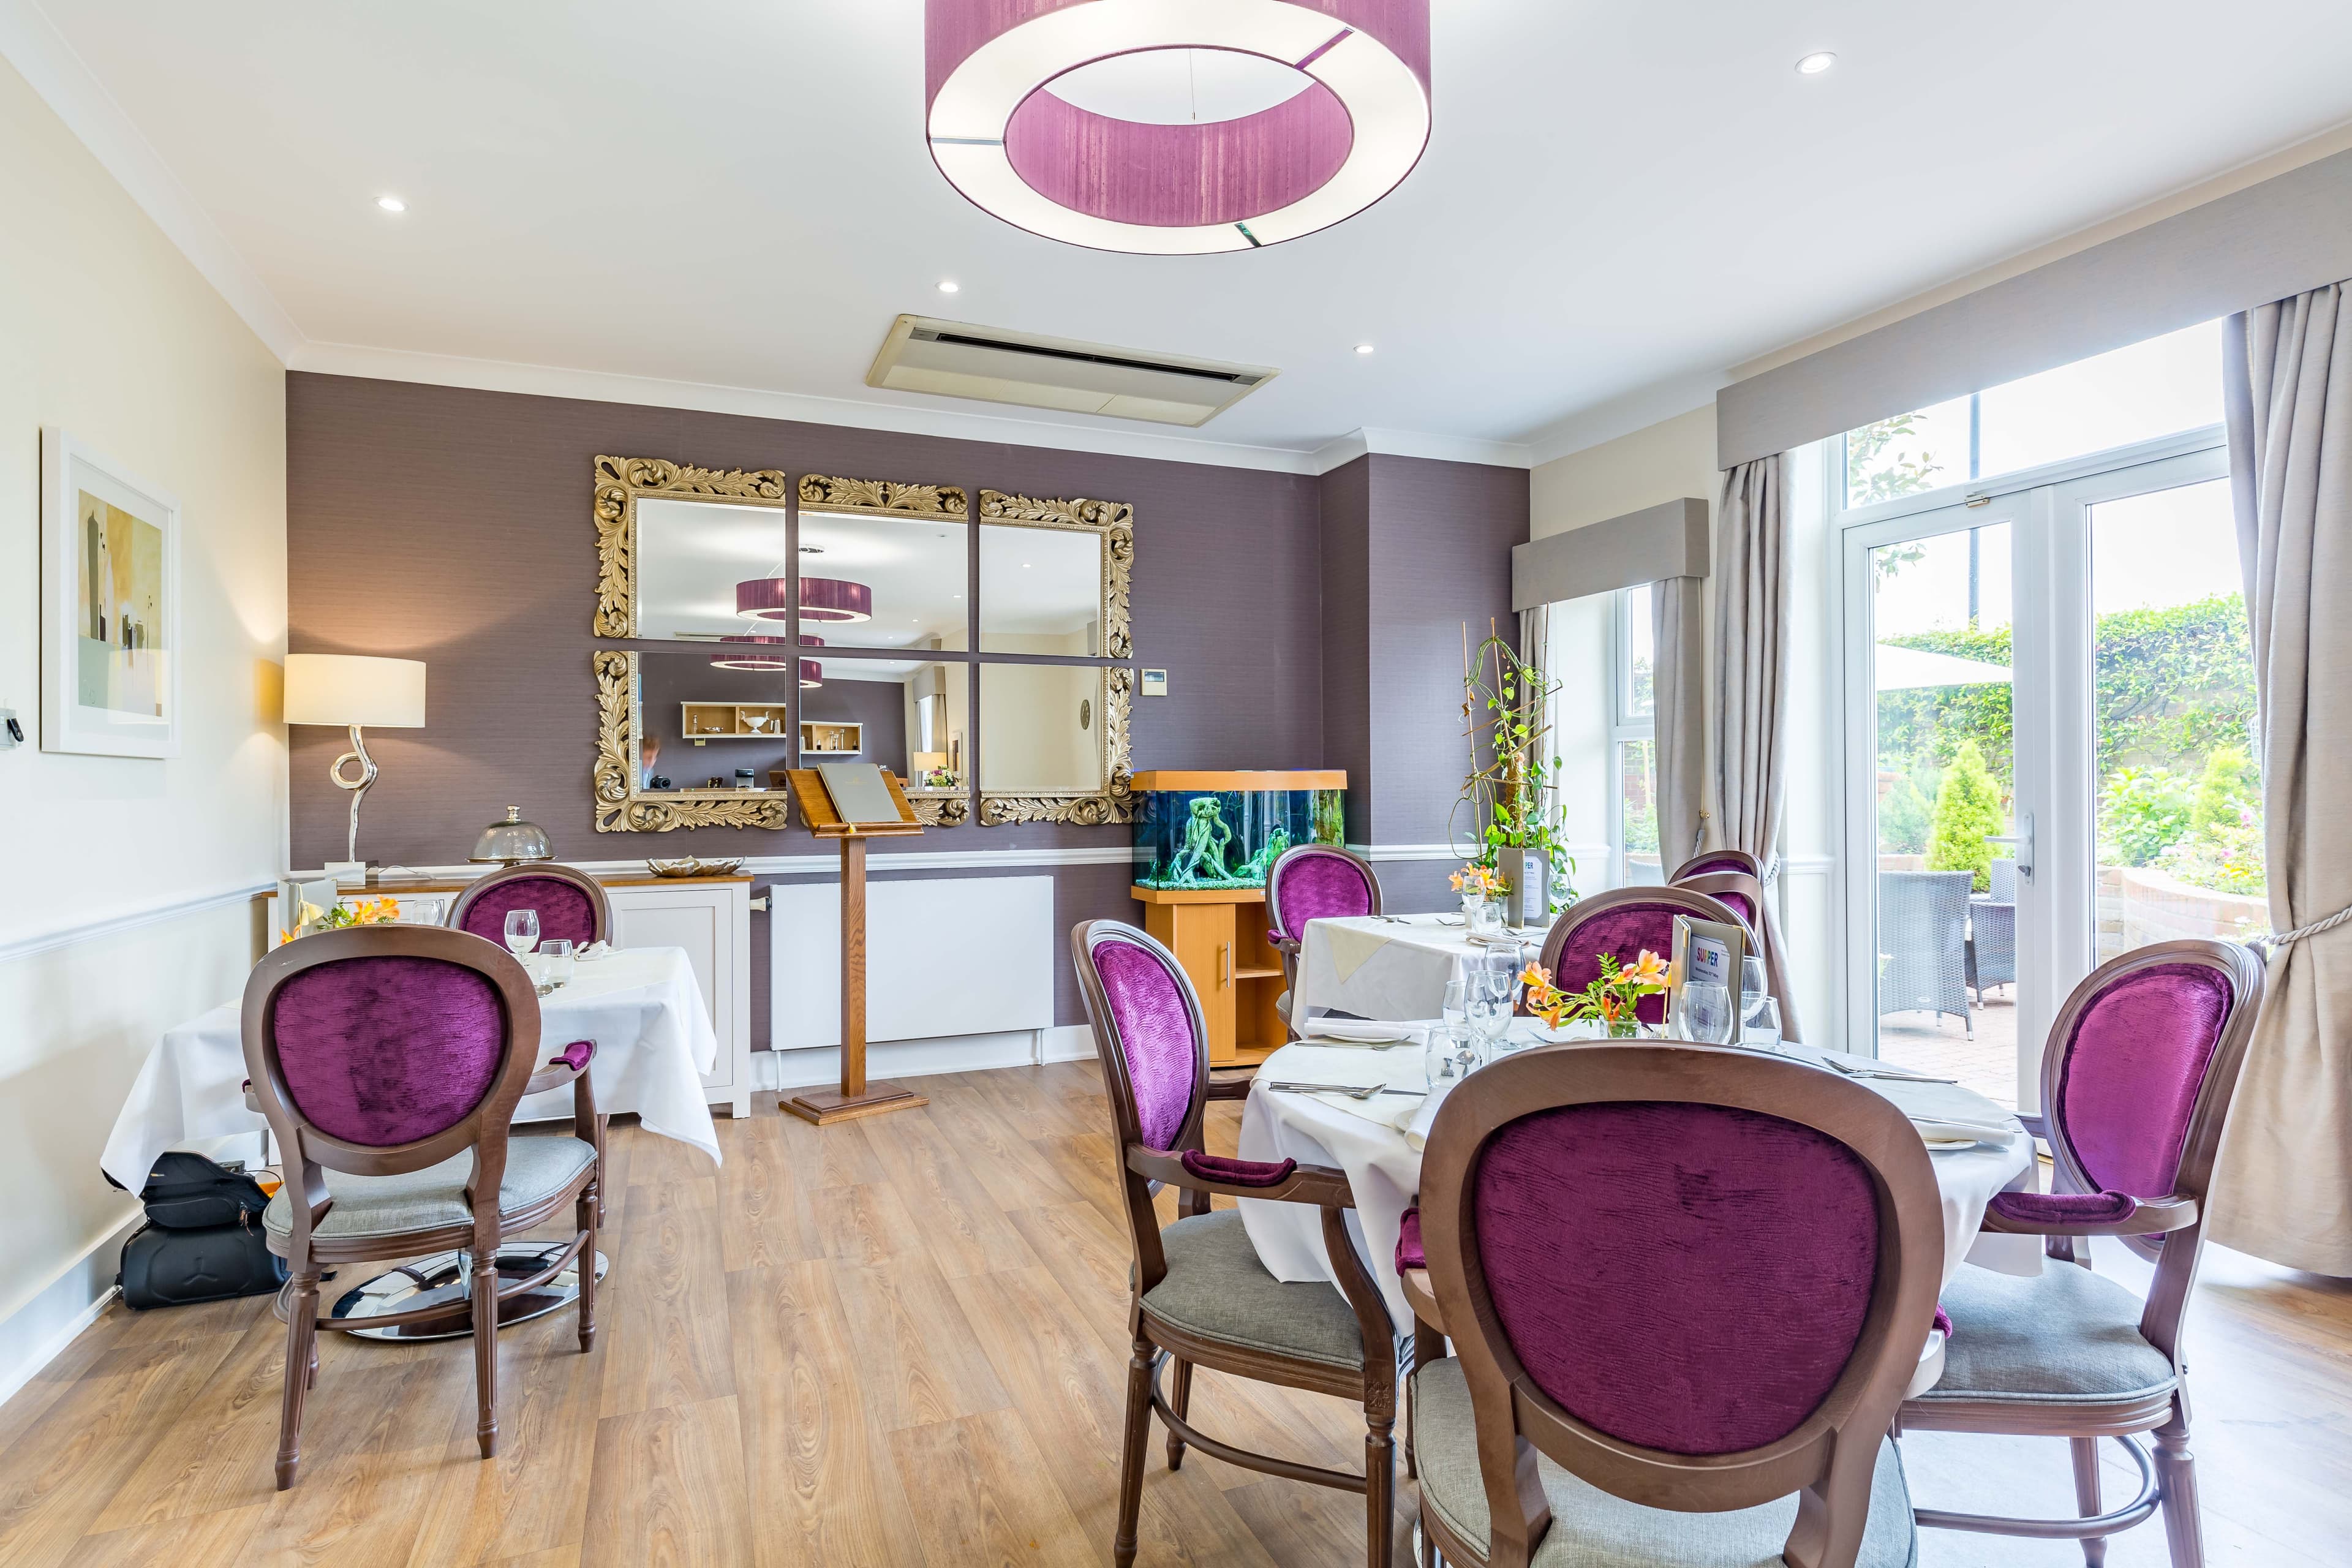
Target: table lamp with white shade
x,y
354,690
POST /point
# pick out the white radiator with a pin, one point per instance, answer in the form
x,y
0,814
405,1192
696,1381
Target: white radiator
x,y
945,956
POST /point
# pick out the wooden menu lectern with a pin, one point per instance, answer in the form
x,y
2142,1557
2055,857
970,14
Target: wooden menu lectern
x,y
824,820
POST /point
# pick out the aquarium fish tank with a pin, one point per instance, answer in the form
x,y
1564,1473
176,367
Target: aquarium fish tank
x,y
1212,830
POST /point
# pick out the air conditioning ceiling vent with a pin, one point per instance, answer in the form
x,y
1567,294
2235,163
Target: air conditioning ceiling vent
x,y
955,359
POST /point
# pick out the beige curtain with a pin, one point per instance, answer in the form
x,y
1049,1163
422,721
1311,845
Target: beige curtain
x,y
2283,1188
1678,698
1751,678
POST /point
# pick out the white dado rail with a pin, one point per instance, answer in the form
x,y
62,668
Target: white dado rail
x,y
709,917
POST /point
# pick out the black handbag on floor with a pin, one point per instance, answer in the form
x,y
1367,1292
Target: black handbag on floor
x,y
203,1240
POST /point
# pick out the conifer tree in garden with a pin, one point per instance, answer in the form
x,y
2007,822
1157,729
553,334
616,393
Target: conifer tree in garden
x,y
1967,812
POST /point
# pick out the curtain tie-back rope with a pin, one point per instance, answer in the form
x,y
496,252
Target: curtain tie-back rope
x,y
2266,945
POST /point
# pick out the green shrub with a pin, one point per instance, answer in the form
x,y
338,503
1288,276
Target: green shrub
x,y
2225,855
1967,811
2225,790
1903,818
2142,813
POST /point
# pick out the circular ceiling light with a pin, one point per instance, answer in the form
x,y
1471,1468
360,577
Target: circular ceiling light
x,y
822,599
1816,63
1171,127
950,286
812,673
392,203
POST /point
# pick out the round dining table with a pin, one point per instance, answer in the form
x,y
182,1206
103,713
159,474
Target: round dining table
x,y
1377,1141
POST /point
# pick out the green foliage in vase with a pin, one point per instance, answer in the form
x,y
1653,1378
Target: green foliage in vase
x,y
1968,810
1511,792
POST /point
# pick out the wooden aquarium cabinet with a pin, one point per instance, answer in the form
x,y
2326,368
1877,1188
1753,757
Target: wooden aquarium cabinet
x,y
1218,934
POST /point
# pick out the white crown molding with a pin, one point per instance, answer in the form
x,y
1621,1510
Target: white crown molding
x,y
905,418
1623,415
815,865
126,919
32,44
1414,444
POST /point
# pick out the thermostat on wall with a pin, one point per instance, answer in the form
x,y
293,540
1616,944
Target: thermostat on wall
x,y
1155,683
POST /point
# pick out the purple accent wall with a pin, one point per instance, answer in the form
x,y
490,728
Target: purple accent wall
x,y
453,526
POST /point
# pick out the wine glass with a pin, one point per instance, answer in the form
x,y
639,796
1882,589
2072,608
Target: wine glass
x,y
1491,996
522,931
1707,1013
1446,1041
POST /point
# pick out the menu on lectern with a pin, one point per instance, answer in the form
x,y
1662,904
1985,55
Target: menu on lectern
x,y
860,794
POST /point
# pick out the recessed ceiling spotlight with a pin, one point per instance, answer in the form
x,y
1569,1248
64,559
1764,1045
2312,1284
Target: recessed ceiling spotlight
x,y
1815,63
950,286
392,203
1363,348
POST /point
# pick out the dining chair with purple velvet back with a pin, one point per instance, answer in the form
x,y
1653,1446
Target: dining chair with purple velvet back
x,y
2137,1082
1685,1287
572,904
1622,922
1200,1297
388,1060
1308,882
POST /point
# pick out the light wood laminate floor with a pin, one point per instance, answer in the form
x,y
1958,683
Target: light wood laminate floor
x,y
901,1342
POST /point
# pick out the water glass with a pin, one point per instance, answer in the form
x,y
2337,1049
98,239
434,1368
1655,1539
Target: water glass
x,y
1446,1042
555,962
1490,1011
1485,917
1753,987
522,931
1707,1014
1762,1028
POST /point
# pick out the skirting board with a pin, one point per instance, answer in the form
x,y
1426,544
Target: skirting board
x,y
922,1058
37,1333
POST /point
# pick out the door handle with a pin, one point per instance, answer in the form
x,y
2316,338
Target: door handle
x,y
2023,840
1225,964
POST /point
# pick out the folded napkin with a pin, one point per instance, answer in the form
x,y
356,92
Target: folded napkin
x,y
1415,1125
1360,1031
1353,942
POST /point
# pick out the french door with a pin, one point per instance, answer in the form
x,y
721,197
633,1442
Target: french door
x,y
2046,700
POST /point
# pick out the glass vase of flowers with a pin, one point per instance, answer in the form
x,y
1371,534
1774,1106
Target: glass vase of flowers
x,y
1611,1001
1479,888
310,918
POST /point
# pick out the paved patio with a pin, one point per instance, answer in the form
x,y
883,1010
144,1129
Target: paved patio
x,y
1986,1064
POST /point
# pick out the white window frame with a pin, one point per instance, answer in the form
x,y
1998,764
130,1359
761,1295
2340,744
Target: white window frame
x,y
2051,567
1625,726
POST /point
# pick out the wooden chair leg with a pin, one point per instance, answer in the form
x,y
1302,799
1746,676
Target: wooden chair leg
x,y
1380,1490
1131,1454
1180,1400
589,1207
486,1350
301,1330
2176,1474
2085,1451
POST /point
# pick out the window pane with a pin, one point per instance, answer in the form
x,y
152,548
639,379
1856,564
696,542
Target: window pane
x,y
2179,834
1637,655
1637,808
2134,393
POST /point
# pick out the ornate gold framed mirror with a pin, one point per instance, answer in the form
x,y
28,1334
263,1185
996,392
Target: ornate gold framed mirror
x,y
637,788
1054,582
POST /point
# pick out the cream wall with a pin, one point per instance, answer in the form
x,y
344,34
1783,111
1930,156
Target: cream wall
x,y
1664,462
126,880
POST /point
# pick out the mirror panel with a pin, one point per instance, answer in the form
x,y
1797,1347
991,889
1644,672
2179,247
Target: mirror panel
x,y
908,715
1054,743
742,511
676,738
1041,591
881,582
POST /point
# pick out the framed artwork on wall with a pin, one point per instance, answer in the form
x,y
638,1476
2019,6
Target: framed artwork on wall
x,y
112,629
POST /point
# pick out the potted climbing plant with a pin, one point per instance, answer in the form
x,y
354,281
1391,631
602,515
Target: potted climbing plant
x,y
1510,796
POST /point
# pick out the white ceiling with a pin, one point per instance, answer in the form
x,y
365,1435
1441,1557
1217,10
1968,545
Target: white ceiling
x,y
736,194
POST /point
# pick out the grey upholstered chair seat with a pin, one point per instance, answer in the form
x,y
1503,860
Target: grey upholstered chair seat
x,y
1217,1288
537,1168
1590,1528
2065,1335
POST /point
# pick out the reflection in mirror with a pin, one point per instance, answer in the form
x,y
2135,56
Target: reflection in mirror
x,y
703,722
873,582
690,556
1043,729
908,715
1041,590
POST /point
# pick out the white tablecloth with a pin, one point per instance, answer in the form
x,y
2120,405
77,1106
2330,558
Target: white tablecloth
x,y
641,1006
1385,1169
1378,966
